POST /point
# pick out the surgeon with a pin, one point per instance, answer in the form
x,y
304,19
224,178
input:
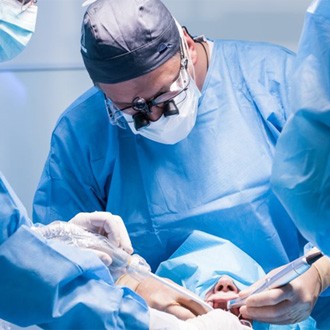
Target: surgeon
x,y
54,285
218,279
177,134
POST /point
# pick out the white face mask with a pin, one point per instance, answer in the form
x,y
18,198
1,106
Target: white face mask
x,y
172,129
17,25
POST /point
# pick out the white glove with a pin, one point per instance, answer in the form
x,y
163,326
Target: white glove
x,y
214,320
102,223
106,224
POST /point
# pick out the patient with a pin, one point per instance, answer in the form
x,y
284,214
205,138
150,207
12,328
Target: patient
x,y
216,270
223,291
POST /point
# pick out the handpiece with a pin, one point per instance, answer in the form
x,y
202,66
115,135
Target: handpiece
x,y
282,277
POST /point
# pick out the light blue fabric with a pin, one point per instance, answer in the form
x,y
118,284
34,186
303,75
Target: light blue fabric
x,y
301,173
216,180
202,259
12,212
16,27
54,285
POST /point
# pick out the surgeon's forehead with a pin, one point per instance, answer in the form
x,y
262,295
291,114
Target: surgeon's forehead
x,y
147,85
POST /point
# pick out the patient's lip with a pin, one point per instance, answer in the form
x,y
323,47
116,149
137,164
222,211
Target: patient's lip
x,y
219,299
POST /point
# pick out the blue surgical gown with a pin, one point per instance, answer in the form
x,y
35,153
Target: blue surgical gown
x,y
216,180
56,286
301,173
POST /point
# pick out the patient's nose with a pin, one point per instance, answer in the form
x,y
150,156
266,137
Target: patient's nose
x,y
226,284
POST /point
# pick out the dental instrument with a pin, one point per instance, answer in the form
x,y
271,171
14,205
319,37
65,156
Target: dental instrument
x,y
282,277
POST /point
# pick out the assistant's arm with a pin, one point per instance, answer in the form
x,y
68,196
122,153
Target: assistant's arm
x,y
58,287
54,285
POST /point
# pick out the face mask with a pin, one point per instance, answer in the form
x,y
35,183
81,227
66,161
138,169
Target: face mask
x,y
17,25
172,129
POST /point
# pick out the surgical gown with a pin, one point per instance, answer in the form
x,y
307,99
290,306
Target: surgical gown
x,y
216,180
56,286
301,173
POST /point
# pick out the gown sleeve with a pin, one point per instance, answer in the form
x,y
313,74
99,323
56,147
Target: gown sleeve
x,y
56,286
301,171
74,173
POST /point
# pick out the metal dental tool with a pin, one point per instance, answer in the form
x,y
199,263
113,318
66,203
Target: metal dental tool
x,y
282,277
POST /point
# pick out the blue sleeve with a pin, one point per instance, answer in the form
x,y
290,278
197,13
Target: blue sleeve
x,y
74,168
301,171
58,287
73,152
12,212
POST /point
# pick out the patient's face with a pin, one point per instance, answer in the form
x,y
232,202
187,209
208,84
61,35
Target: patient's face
x,y
223,291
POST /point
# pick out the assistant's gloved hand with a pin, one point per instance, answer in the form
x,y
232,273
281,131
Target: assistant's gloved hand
x,y
105,224
162,298
291,303
214,320
80,229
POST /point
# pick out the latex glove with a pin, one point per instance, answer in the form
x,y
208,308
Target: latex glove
x,y
214,320
291,303
162,298
106,224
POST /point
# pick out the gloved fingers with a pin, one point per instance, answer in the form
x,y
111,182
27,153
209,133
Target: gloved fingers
x,y
245,292
105,258
192,306
283,313
113,227
187,303
163,298
119,232
291,303
106,224
181,312
270,297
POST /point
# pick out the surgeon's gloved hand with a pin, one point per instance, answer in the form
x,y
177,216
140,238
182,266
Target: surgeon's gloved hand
x,y
291,303
214,320
105,224
162,298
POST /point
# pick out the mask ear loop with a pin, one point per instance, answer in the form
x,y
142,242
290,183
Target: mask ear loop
x,y
200,40
185,50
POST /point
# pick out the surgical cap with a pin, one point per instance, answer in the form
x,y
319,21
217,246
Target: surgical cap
x,y
124,39
202,259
